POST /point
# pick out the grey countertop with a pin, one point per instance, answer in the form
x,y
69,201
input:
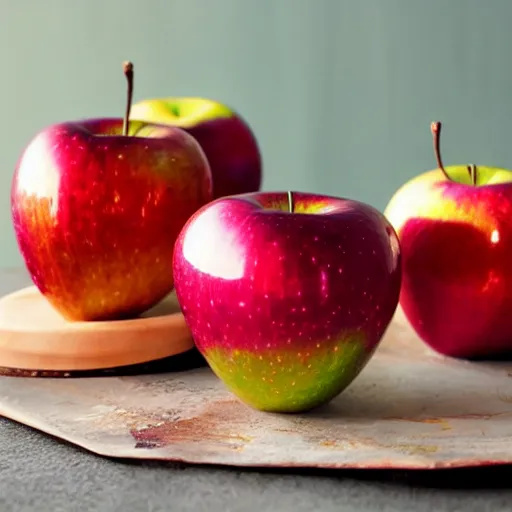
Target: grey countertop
x,y
40,473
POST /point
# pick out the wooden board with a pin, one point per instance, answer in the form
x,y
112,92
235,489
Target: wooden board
x,y
409,408
33,336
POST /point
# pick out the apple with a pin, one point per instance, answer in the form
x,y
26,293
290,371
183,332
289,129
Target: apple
x,y
287,295
227,140
97,206
455,230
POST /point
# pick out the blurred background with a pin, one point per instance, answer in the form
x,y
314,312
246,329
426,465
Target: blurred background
x,y
340,93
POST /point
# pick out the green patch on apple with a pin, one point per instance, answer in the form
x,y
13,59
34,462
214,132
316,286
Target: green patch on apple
x,y
290,206
484,175
185,112
140,129
288,381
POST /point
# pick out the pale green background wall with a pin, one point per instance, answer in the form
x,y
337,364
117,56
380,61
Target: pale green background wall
x,y
339,92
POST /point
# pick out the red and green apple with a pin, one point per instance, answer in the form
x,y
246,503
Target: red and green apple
x,y
455,229
225,137
97,206
287,295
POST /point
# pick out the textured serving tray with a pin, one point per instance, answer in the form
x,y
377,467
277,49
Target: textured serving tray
x,y
409,408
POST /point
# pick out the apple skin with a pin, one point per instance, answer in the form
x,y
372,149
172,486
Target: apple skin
x,y
226,139
456,242
96,214
287,308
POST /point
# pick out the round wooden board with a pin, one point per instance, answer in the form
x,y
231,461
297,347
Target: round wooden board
x,y
33,336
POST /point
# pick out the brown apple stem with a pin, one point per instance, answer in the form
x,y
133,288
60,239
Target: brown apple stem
x,y
435,128
290,201
473,173
128,73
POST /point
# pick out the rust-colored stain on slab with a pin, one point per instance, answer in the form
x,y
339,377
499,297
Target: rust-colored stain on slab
x,y
409,408
212,425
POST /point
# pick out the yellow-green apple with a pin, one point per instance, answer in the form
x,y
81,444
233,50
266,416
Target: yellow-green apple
x,y
287,295
97,206
455,230
226,138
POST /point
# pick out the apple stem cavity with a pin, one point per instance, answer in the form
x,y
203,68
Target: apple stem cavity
x,y
290,201
128,73
435,128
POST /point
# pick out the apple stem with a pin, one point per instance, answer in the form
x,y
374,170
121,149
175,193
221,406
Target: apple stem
x,y
128,73
472,170
435,128
290,201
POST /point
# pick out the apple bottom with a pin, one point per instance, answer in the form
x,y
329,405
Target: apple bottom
x,y
114,287
289,380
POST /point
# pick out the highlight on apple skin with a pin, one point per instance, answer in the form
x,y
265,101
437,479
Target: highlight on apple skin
x,y
226,138
455,229
287,295
97,206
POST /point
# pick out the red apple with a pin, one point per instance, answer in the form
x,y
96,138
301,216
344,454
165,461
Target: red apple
x,y
96,212
455,229
226,138
287,295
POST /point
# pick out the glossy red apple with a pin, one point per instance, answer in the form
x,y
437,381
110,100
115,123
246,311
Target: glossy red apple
x,y
226,138
287,295
455,229
96,212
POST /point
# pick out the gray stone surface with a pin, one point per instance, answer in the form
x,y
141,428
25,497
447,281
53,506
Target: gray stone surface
x,y
39,473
